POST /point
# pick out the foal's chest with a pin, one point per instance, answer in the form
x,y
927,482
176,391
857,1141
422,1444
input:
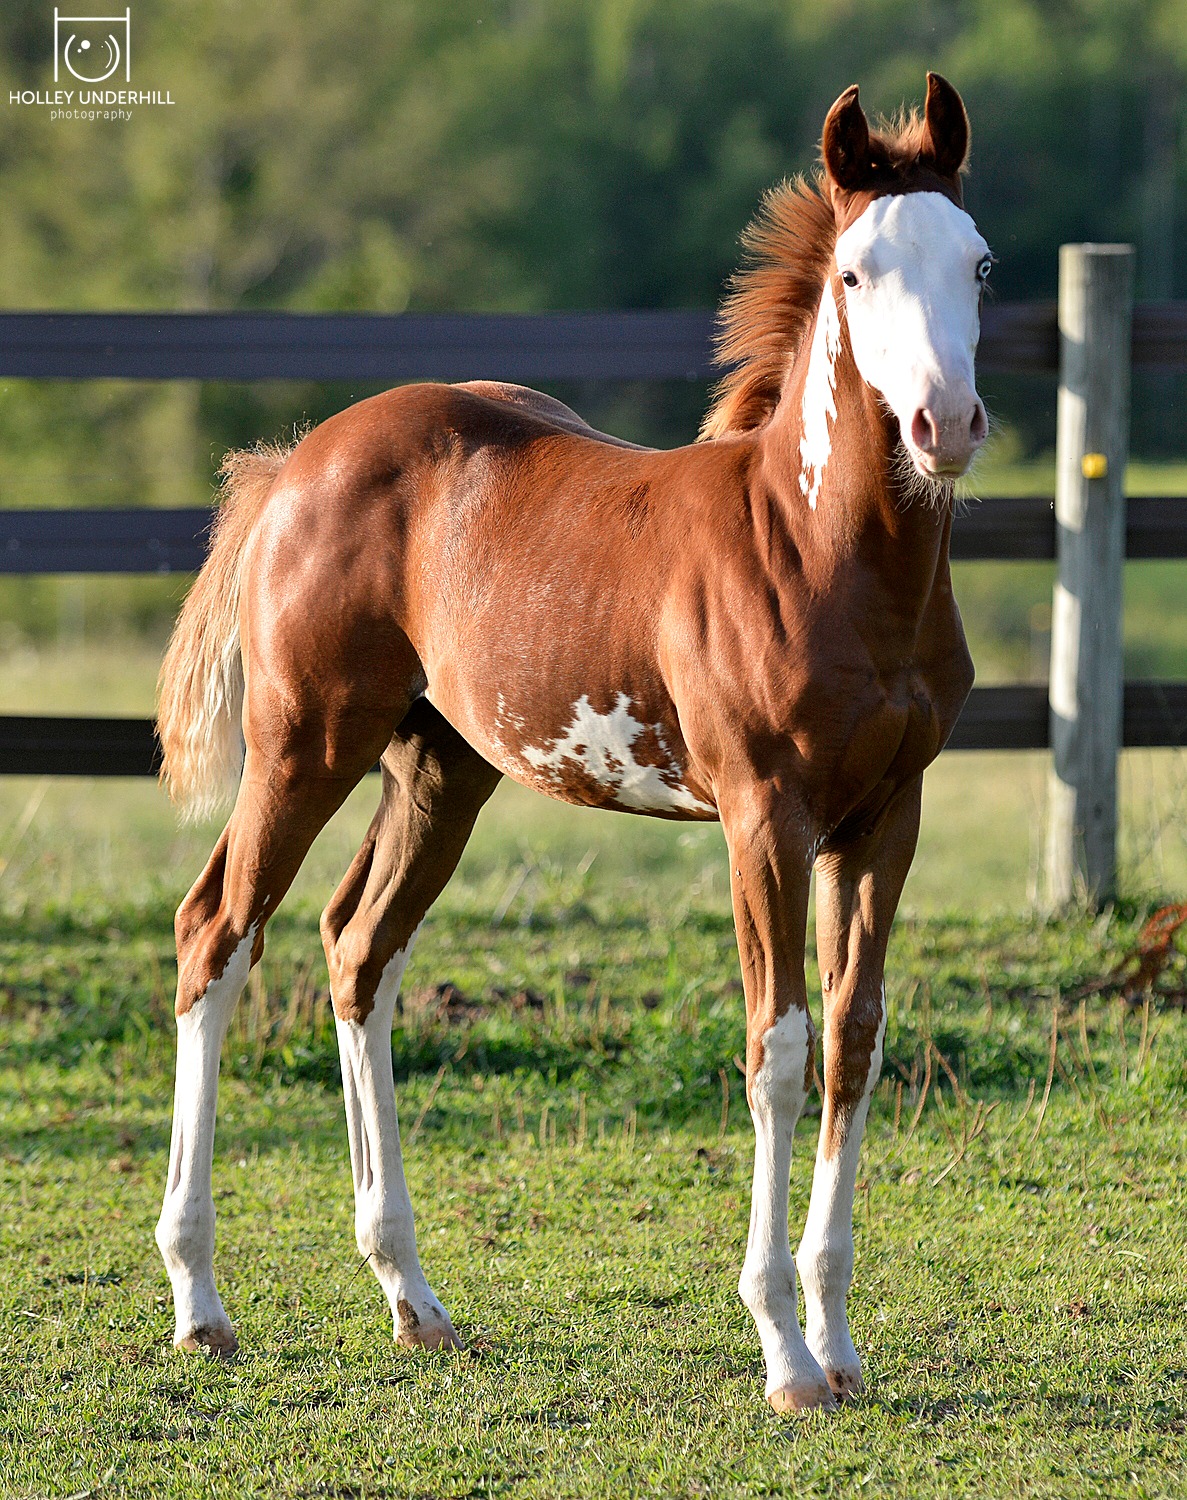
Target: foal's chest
x,y
895,735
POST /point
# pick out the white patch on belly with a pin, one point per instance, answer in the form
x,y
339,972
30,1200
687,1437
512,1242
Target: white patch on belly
x,y
820,396
602,746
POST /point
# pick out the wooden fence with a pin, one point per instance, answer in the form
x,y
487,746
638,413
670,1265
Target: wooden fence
x,y
672,345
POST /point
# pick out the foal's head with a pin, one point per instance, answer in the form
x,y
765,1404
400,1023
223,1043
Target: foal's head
x,y
881,236
913,267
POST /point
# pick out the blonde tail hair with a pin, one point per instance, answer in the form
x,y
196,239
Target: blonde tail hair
x,y
200,689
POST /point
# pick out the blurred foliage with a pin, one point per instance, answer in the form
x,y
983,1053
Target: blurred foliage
x,y
391,154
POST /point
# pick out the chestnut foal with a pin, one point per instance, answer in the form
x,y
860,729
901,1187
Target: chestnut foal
x,y
465,582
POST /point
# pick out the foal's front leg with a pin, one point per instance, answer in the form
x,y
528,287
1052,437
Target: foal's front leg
x,y
857,893
770,865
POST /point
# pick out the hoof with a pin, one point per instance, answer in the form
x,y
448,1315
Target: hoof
x,y
432,1331
807,1396
220,1342
845,1384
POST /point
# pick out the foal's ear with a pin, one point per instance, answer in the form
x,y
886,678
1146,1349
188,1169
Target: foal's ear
x,y
945,127
846,142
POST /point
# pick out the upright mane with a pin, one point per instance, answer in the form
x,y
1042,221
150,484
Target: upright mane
x,y
771,302
788,248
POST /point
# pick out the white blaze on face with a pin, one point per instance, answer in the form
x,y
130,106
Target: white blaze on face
x,y
820,396
913,265
602,746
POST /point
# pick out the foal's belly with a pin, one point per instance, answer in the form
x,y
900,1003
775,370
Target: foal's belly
x,y
592,749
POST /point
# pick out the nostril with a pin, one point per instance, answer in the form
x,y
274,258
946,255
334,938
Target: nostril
x,y
979,426
923,430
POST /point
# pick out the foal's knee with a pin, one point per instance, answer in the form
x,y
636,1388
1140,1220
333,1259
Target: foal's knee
x,y
365,971
216,953
853,1051
352,984
779,1066
210,944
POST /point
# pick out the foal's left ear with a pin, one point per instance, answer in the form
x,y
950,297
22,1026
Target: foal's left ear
x,y
945,127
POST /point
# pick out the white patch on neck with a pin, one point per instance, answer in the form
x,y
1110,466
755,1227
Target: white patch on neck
x,y
601,745
820,396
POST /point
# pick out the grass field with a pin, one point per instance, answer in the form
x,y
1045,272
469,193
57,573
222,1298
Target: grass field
x,y
579,1155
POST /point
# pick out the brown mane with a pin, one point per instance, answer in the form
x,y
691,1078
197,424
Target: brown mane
x,y
771,302
788,246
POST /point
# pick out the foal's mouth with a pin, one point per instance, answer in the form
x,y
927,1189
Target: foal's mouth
x,y
921,484
930,468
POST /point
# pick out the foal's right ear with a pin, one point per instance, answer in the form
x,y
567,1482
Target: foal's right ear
x,y
846,142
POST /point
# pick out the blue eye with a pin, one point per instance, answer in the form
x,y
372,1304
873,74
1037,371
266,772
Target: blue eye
x,y
984,268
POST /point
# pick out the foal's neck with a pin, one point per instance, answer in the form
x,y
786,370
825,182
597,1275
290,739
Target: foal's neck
x,y
832,453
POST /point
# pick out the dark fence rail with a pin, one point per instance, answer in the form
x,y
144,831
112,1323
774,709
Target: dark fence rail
x,y
665,345
670,344
1002,529
1012,717
103,541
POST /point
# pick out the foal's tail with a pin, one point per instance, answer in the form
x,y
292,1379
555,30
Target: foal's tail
x,y
200,689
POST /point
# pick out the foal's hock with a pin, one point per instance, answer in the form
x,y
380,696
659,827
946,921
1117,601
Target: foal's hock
x,y
468,582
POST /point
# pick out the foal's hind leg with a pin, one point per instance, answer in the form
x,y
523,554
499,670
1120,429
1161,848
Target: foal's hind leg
x,y
282,805
857,894
434,785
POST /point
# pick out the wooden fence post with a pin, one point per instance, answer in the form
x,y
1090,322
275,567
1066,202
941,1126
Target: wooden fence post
x,y
1087,675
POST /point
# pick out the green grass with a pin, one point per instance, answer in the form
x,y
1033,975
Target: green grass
x,y
580,1165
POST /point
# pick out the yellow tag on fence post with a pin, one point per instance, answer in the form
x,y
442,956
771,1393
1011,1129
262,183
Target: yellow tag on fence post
x,y
1094,466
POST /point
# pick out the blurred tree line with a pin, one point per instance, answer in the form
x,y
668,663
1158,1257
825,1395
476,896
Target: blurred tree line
x,y
523,154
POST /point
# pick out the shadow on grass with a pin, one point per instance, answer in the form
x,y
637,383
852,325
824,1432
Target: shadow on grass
x,y
133,1147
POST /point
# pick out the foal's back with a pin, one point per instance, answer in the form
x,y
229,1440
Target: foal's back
x,y
484,547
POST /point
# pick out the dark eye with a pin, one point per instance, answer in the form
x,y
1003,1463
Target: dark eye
x,y
849,278
984,268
